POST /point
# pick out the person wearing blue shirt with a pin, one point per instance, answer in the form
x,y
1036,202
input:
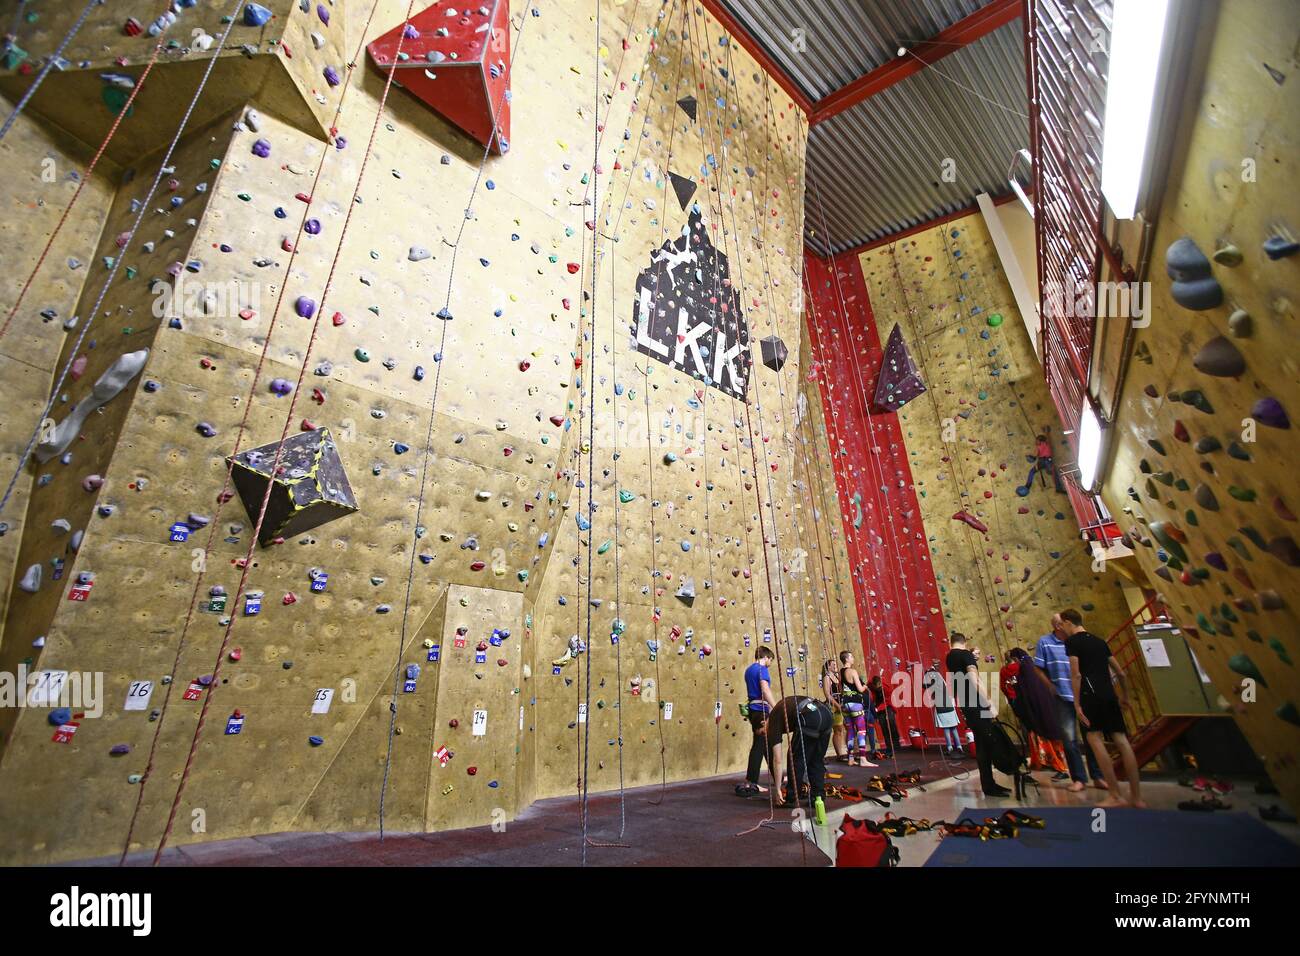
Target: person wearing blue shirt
x,y
758,685
1052,665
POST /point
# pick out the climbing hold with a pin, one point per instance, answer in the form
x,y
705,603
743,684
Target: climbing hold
x,y
114,379
256,15
1239,324
971,520
1243,665
1276,247
995,319
310,487
1228,255
900,380
1219,357
1269,411
1194,286
774,352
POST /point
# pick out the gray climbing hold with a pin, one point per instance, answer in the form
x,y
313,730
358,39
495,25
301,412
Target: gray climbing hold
x,y
1228,255
1205,498
109,385
31,581
1198,294
418,253
1239,324
1219,357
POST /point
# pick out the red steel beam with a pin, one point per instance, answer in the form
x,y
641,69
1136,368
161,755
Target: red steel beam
x,y
985,20
755,49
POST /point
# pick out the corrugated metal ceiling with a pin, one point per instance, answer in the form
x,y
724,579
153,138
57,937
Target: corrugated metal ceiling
x,y
878,168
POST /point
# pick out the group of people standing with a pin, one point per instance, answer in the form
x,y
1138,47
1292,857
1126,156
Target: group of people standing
x,y
1069,695
1070,691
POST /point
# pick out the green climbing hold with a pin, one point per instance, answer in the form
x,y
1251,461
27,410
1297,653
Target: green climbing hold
x,y
362,355
1243,665
625,496
1280,650
995,320
1289,713
604,547
115,99
1241,494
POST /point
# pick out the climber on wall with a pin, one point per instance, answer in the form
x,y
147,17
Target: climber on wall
x,y
1044,460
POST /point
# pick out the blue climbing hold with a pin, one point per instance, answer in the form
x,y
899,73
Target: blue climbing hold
x,y
256,15
60,715
315,741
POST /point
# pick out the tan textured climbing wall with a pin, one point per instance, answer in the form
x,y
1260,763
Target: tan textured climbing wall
x,y
282,63
685,462
1229,511
968,438
43,169
497,521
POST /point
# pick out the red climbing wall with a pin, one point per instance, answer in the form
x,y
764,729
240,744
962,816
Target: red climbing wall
x,y
896,596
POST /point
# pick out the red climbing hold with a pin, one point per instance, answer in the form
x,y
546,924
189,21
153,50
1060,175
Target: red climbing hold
x,y
573,268
971,520
477,566
557,420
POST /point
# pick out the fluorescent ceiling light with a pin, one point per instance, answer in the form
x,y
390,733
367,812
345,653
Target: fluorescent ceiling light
x,y
1091,446
1136,51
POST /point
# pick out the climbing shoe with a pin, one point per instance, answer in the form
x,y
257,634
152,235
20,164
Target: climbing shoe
x,y
819,812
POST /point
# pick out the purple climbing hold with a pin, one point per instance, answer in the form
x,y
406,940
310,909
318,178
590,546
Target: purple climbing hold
x,y
331,76
323,13
1269,411
262,148
281,386
312,226
899,380
206,430
1215,560
119,749
305,307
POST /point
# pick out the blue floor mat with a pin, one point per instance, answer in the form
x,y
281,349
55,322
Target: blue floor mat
x,y
1131,838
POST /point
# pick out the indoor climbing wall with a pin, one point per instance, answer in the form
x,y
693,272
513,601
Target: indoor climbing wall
x,y
897,600
367,509
1003,546
1203,476
45,170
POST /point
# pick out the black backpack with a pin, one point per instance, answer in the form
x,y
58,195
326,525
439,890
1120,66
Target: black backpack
x,y
1008,752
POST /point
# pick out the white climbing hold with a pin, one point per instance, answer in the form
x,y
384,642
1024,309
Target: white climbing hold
x,y
31,581
109,385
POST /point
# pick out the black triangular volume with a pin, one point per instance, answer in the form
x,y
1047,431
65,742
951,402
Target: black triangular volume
x,y
687,103
683,187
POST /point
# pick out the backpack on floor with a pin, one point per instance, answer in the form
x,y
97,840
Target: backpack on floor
x,y
1008,753
861,843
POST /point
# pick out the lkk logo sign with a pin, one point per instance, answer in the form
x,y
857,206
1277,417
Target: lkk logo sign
x,y
687,315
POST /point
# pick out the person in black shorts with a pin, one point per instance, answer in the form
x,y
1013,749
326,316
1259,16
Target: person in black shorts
x,y
808,722
1099,694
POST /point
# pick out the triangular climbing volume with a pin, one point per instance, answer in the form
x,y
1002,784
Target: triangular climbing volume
x,y
683,187
899,380
457,65
687,103
309,486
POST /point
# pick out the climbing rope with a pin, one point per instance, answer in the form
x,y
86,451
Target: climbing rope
x,y
54,59
247,563
439,358
225,495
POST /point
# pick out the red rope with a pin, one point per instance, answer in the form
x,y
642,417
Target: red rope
x,y
223,496
85,177
279,451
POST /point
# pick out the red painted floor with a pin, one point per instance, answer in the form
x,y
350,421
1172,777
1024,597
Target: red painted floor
x,y
696,823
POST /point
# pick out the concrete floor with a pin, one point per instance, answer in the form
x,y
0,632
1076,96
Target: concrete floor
x,y
696,823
